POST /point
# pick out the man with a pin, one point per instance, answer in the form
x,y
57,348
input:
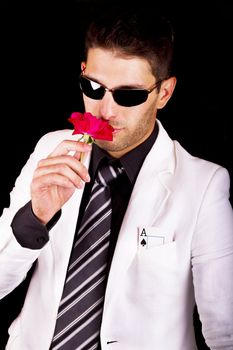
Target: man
x,y
171,240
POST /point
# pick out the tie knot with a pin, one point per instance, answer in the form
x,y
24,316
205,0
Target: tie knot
x,y
107,173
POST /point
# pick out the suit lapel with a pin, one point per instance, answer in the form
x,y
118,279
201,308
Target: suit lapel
x,y
147,201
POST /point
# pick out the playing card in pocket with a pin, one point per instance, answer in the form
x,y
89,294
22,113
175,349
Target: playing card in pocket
x,y
149,237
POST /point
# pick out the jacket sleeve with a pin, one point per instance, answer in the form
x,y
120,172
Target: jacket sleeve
x,y
212,263
15,259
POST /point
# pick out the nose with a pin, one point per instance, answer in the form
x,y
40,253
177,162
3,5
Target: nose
x,y
107,106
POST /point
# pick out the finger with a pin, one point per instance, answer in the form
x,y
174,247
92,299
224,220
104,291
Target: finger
x,y
50,180
63,170
67,146
65,161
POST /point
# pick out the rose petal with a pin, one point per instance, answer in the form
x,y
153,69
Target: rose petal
x,y
88,124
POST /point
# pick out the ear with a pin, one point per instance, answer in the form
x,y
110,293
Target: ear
x,y
166,91
83,66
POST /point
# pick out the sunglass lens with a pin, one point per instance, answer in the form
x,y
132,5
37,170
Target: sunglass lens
x,y
130,97
91,88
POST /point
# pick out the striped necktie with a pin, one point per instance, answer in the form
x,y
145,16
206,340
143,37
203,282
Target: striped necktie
x,y
80,310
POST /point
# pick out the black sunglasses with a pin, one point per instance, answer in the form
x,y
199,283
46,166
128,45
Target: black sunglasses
x,y
122,96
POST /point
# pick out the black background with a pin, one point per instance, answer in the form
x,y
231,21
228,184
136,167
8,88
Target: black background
x,y
40,46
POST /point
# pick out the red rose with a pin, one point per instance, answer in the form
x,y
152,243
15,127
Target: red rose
x,y
95,128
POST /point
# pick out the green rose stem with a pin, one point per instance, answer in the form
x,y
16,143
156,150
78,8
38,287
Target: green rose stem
x,y
87,139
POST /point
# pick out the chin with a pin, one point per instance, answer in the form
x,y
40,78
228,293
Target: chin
x,y
105,144
108,146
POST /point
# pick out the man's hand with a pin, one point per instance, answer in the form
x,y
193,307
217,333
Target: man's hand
x,y
56,178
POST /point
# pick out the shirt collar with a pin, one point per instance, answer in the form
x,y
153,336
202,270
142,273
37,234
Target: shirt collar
x,y
131,161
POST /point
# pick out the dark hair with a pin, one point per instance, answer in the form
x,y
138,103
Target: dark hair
x,y
135,33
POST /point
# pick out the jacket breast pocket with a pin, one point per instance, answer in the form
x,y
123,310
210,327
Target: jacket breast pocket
x,y
161,255
157,272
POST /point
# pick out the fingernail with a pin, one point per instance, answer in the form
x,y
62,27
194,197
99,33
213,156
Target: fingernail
x,y
87,178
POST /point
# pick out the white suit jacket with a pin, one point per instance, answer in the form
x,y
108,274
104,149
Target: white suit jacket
x,y
180,207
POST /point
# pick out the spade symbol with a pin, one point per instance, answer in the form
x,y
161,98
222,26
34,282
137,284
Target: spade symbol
x,y
143,242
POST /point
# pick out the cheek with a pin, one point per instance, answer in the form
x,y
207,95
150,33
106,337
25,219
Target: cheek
x,y
135,116
91,105
143,118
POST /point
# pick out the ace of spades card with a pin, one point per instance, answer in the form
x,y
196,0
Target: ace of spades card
x,y
150,237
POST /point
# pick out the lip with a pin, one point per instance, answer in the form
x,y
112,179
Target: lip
x,y
116,130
